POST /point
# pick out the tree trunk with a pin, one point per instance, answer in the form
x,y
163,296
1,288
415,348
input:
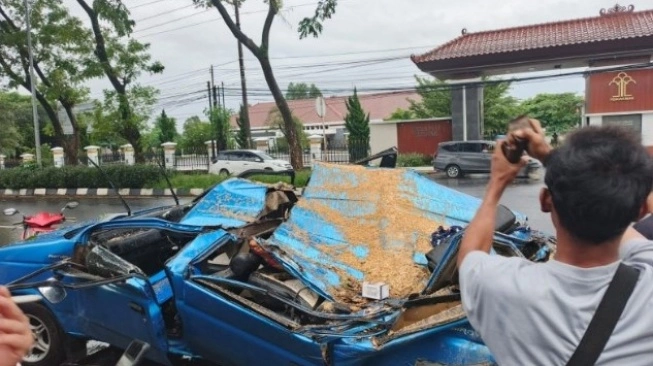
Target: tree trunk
x,y
296,154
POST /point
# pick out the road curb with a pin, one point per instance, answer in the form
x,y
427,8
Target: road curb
x,y
99,192
129,192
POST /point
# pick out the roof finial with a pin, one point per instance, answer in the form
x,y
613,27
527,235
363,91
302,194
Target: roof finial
x,y
464,31
617,9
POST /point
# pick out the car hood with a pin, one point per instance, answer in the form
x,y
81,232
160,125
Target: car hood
x,y
356,225
232,203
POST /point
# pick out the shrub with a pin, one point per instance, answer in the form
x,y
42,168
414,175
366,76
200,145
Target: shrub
x,y
123,176
413,160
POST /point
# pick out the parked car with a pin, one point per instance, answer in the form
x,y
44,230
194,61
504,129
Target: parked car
x,y
457,158
270,291
237,161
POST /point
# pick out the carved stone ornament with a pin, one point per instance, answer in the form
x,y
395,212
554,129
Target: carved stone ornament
x,y
617,9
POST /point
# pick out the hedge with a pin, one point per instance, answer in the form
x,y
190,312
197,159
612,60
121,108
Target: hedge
x,y
413,160
123,176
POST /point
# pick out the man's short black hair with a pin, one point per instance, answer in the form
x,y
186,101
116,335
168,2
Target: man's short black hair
x,y
599,179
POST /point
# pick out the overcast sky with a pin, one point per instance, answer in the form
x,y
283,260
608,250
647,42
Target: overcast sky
x,y
366,44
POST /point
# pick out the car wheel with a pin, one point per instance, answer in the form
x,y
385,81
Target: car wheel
x,y
268,168
224,172
453,171
49,347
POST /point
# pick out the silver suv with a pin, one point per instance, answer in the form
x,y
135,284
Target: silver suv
x,y
457,158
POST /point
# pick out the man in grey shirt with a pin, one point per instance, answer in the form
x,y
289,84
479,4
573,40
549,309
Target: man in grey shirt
x,y
528,313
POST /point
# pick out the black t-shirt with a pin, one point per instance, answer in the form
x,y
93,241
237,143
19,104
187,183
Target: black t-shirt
x,y
645,227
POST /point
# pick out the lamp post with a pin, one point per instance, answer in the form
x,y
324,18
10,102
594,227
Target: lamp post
x,y
37,136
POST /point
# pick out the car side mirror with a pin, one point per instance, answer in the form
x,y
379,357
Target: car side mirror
x,y
10,211
53,294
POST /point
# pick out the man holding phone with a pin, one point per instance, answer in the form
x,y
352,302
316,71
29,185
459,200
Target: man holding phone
x,y
597,184
15,335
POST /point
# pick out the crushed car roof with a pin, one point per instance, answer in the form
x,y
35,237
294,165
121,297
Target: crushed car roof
x,y
356,224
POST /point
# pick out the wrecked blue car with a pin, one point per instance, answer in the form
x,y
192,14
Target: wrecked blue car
x,y
360,270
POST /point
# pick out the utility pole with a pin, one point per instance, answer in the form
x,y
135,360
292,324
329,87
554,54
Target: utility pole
x,y
245,122
224,104
37,132
208,87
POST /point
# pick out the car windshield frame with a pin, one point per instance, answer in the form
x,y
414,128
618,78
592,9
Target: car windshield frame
x,y
263,155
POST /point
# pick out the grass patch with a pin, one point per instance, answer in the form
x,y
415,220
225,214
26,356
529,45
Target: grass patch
x,y
188,181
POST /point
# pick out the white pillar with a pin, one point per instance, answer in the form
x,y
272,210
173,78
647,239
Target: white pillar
x,y
57,156
128,150
169,154
2,161
92,154
27,157
316,147
209,147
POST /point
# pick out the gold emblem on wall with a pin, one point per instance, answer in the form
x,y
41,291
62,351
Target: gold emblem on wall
x,y
621,81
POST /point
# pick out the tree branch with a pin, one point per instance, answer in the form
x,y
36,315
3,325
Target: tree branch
x,y
273,9
234,29
39,96
9,21
100,48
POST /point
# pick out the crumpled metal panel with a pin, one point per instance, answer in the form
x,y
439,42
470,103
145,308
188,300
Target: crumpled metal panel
x,y
231,203
306,242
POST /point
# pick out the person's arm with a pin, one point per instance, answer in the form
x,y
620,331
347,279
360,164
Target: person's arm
x,y
15,335
479,232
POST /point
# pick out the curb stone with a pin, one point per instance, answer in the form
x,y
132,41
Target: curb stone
x,y
99,192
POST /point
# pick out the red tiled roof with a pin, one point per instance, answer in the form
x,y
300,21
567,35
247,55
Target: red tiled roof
x,y
379,106
613,24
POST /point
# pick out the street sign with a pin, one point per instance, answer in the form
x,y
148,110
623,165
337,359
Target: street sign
x,y
320,107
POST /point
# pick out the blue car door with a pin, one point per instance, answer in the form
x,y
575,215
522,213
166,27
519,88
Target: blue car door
x,y
117,313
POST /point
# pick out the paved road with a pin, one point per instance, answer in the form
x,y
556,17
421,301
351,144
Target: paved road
x,y
521,196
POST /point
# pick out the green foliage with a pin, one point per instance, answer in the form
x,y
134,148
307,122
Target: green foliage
x,y
110,120
436,98
124,176
498,106
557,112
58,38
196,133
312,26
188,181
413,160
275,121
358,126
302,91
401,115
166,128
220,118
242,136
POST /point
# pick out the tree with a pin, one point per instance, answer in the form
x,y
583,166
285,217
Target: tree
x,y
498,106
302,91
275,121
196,133
57,38
121,60
242,137
401,115
436,98
309,26
220,118
557,112
165,128
358,126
